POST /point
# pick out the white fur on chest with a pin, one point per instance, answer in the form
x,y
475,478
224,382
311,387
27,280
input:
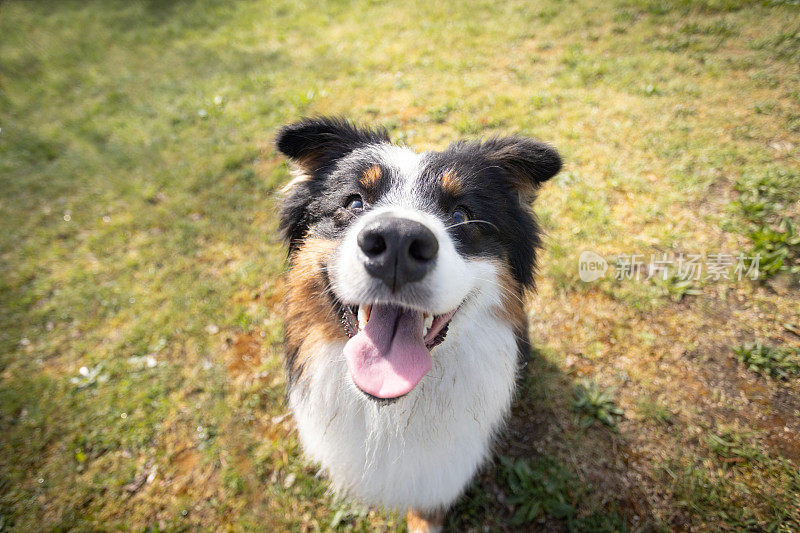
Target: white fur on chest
x,y
422,450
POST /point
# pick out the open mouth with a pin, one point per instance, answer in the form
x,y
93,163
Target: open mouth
x,y
389,350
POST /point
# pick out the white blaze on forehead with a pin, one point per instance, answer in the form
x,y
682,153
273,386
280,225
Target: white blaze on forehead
x,y
406,166
403,159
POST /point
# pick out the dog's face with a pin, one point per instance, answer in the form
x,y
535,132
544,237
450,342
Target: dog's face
x,y
387,246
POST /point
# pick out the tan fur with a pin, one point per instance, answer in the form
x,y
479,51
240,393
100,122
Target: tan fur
x,y
371,177
424,522
299,175
310,317
450,183
513,299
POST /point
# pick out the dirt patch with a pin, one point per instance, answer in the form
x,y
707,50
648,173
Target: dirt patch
x,y
244,356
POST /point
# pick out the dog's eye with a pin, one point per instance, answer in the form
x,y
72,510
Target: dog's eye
x,y
459,216
354,202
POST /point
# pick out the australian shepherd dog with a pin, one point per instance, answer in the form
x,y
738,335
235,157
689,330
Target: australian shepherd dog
x,y
405,317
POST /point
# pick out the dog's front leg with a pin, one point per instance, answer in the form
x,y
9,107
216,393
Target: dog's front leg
x,y
425,521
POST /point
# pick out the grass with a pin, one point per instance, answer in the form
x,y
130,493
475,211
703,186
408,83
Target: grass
x,y
776,362
653,410
766,202
676,287
141,382
543,487
778,247
537,488
734,447
595,404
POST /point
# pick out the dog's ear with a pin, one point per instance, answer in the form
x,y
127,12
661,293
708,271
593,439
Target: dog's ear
x,y
316,143
527,163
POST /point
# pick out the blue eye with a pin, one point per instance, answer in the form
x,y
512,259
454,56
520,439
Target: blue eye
x,y
459,216
355,202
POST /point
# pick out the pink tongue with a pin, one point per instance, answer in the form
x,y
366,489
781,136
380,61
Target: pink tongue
x,y
388,357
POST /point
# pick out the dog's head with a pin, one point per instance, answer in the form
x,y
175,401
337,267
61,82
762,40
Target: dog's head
x,y
388,245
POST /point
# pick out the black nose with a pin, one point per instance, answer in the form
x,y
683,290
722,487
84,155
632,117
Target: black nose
x,y
397,250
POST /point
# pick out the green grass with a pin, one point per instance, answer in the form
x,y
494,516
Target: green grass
x,y
676,287
539,492
778,248
767,201
543,487
734,447
777,362
652,410
595,404
537,488
141,382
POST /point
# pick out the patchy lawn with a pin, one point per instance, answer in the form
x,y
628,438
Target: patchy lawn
x,y
141,383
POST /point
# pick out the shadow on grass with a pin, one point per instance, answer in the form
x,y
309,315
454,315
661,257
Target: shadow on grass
x,y
549,473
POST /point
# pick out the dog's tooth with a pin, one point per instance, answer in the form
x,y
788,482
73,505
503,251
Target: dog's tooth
x,y
426,326
362,317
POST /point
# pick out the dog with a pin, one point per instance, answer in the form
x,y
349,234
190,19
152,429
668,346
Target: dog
x,y
405,321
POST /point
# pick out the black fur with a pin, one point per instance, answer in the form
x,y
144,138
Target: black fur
x,y
314,145
527,163
317,142
499,178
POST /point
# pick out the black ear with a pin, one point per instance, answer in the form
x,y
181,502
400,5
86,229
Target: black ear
x,y
315,143
527,163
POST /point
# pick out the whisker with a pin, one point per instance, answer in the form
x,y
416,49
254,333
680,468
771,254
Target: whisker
x,y
474,222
